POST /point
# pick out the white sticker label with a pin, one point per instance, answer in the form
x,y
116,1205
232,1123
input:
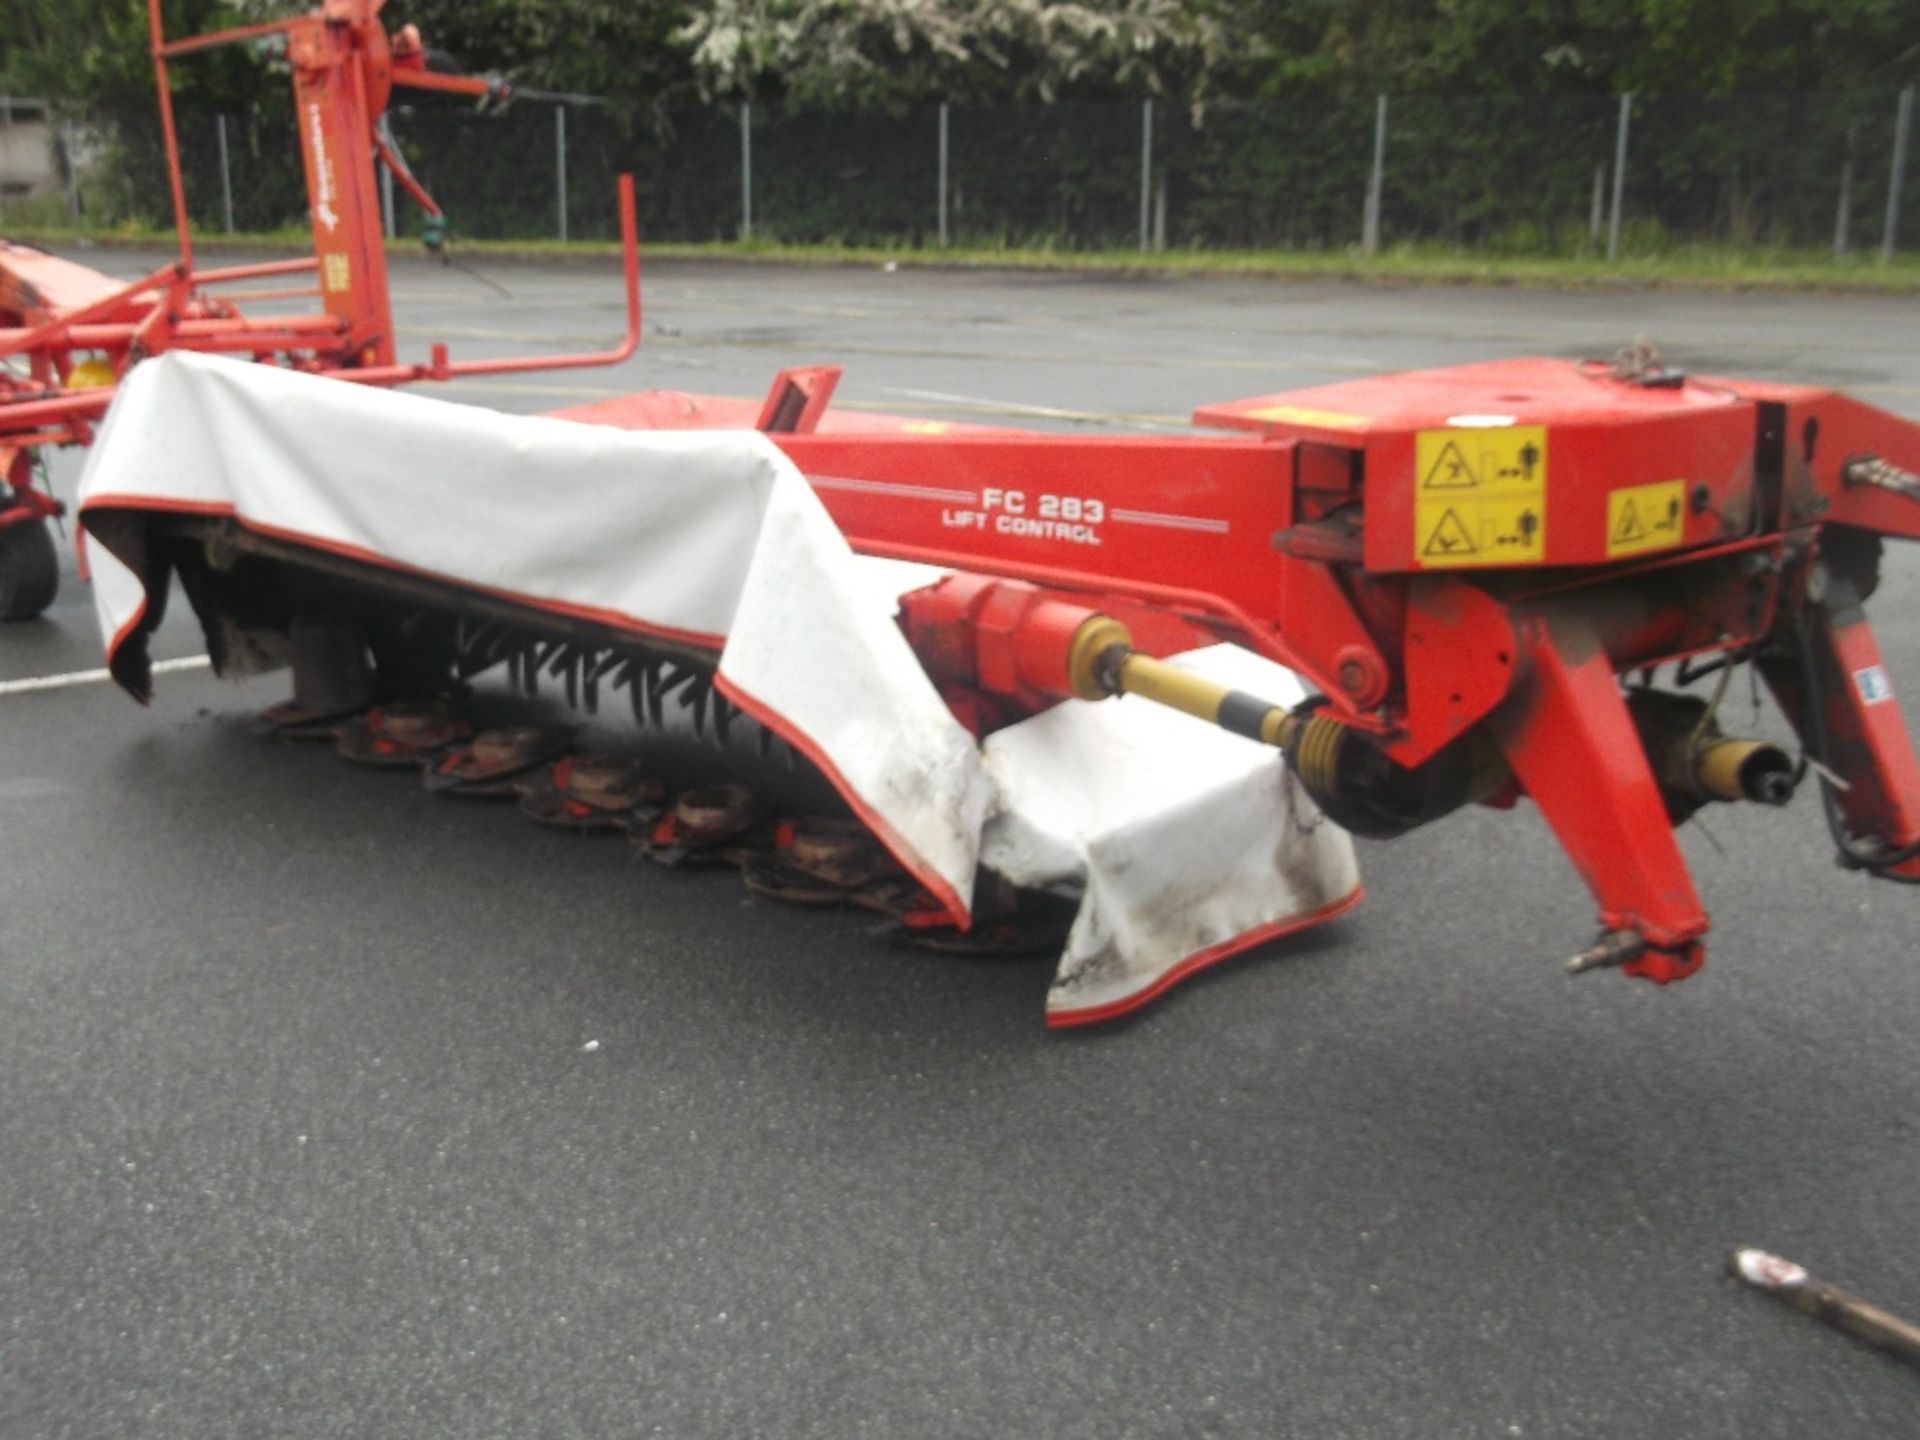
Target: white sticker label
x,y
1873,685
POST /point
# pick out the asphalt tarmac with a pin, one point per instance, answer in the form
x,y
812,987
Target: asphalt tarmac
x,y
331,1109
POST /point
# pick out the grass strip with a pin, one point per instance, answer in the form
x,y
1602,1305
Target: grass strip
x,y
1690,267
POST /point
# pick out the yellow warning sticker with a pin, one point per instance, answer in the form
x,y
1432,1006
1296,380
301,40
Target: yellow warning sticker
x,y
1646,517
336,274
1300,415
1480,496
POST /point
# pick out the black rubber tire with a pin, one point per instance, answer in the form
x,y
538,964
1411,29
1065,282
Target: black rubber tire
x,y
29,570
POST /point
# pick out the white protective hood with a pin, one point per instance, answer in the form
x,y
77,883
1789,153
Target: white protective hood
x,y
1187,843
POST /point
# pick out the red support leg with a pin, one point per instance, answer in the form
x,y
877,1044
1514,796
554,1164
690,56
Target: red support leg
x,y
1860,735
1572,745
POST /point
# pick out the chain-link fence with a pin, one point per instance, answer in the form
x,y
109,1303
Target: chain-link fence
x,y
1505,175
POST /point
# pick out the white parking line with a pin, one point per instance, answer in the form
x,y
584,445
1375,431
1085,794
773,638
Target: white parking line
x,y
94,677
982,405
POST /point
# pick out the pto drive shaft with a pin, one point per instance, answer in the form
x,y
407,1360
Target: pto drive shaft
x,y
1350,778
1103,662
1363,789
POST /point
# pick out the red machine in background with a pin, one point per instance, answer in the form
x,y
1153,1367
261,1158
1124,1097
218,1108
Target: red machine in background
x,y
67,333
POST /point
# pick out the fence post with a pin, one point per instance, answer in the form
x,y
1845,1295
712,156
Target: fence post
x,y
1843,212
943,174
1146,172
1902,122
1160,215
387,218
1619,175
746,169
226,172
1597,216
1376,181
560,164
69,155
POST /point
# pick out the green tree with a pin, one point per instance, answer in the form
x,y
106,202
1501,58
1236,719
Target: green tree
x,y
625,50
89,57
827,53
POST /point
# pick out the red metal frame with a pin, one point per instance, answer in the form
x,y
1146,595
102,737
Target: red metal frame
x,y
1650,524
1464,561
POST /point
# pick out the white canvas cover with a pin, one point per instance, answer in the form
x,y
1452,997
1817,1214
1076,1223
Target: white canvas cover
x,y
713,537
1188,844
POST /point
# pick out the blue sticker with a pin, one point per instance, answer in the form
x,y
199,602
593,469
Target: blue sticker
x,y
1873,685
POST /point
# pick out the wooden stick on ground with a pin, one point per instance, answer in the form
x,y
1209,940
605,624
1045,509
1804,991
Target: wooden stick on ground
x,y
1839,1308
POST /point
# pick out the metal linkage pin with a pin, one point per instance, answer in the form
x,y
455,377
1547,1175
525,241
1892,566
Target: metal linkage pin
x,y
1616,947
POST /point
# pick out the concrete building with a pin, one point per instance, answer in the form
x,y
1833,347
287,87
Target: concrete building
x,y
27,163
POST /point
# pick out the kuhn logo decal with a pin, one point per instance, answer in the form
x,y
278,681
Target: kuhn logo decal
x,y
323,212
